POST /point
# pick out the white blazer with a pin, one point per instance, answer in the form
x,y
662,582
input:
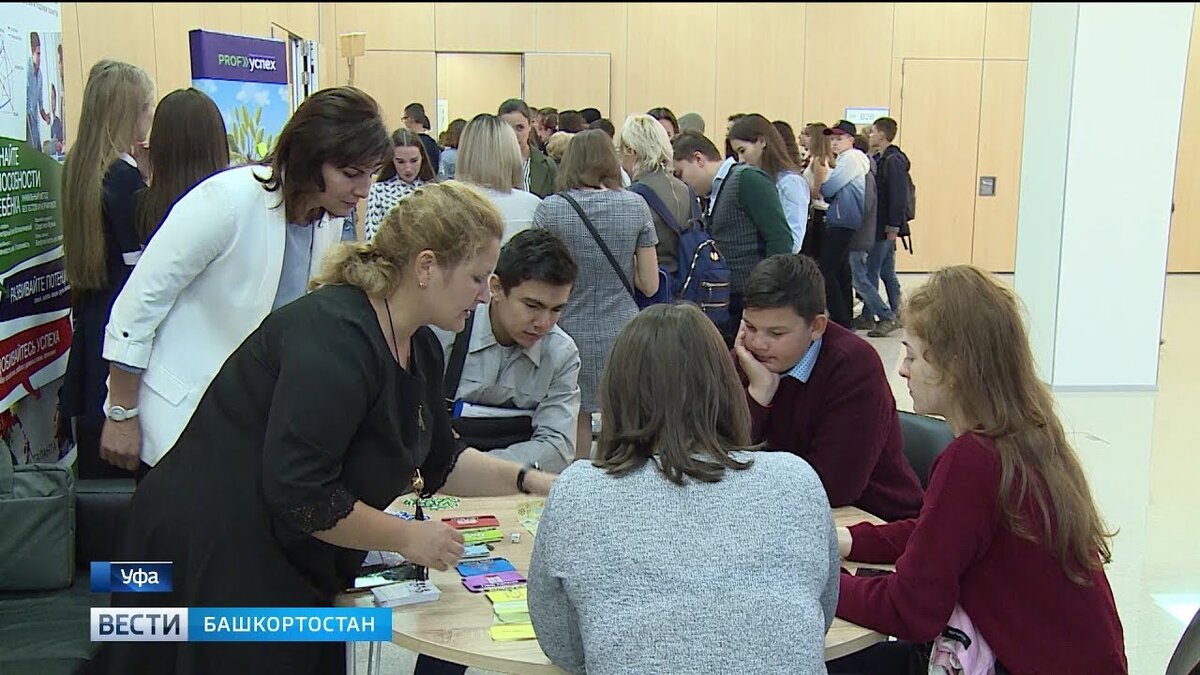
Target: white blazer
x,y
205,282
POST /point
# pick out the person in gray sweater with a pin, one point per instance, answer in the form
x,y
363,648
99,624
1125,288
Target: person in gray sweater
x,y
676,550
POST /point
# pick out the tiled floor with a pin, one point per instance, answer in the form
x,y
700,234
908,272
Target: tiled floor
x,y
1137,451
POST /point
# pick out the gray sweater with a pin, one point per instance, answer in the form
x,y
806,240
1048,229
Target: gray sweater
x,y
637,575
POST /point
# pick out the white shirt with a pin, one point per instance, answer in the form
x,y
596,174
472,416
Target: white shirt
x,y
794,197
517,207
543,379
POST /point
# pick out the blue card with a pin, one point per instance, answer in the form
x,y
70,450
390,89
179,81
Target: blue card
x,y
471,568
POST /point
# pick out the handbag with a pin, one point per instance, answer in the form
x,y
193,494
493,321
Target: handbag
x,y
481,433
37,536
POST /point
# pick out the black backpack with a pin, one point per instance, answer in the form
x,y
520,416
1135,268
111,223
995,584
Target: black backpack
x,y
910,208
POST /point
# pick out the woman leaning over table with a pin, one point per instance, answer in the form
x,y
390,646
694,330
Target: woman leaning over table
x,y
327,413
1009,536
235,247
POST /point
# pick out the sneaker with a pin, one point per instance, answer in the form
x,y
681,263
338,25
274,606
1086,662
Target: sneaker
x,y
864,322
884,328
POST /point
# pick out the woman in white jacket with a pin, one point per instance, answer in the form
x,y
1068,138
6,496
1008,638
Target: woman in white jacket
x,y
240,244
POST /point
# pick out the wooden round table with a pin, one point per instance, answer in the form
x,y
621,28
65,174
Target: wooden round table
x,y
455,628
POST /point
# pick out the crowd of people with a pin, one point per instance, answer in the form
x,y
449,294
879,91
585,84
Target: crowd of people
x,y
274,387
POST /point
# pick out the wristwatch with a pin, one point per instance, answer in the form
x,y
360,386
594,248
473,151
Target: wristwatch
x,y
117,413
521,476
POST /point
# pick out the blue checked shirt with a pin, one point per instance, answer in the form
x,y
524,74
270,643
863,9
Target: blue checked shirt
x,y
803,370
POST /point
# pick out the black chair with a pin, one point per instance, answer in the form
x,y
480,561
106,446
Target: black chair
x,y
924,439
47,632
1186,660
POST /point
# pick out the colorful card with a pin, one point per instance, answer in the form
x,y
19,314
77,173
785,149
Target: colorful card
x,y
512,617
483,582
529,513
508,632
471,568
507,594
484,536
472,522
476,551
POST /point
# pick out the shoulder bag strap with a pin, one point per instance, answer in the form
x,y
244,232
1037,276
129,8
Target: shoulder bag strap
x,y
458,359
656,204
596,235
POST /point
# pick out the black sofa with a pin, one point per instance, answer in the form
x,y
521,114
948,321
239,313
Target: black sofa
x,y
47,632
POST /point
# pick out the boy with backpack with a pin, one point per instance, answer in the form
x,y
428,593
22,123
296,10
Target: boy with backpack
x,y
897,206
745,217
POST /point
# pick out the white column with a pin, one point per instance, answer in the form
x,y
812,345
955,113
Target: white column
x,y
1103,102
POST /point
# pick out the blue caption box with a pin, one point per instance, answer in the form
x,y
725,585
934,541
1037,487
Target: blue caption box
x,y
131,577
289,624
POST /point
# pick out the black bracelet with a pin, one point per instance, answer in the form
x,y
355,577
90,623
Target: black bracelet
x,y
521,477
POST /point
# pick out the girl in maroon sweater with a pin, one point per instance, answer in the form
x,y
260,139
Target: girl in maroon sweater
x,y
1008,531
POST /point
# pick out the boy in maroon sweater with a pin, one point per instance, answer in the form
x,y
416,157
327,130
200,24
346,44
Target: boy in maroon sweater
x,y
819,391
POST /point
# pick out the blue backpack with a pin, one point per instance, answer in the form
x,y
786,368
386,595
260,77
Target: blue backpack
x,y
702,276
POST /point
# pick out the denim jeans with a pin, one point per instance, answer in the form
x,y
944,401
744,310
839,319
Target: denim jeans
x,y
873,306
881,264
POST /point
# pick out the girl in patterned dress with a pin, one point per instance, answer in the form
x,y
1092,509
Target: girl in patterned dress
x,y
408,170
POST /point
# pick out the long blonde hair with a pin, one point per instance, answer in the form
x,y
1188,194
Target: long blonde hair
x,y
114,98
489,155
973,332
452,219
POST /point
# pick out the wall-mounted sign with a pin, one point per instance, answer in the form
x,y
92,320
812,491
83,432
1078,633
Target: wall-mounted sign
x,y
861,116
987,186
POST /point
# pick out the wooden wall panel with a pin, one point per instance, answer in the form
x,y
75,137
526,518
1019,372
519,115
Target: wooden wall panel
x,y
327,47
787,60
483,27
841,72
746,82
1001,125
587,27
257,18
672,58
388,25
302,19
1184,248
73,78
1007,31
95,43
225,17
474,83
948,30
569,81
172,22
396,79
944,162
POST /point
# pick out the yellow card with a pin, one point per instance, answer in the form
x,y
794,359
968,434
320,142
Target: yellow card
x,y
511,607
529,513
519,617
507,594
509,632
482,536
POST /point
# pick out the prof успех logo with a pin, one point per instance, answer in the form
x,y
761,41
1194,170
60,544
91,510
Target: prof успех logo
x,y
131,577
248,62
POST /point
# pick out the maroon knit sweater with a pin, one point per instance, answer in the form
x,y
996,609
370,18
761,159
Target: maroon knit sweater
x,y
844,423
1033,616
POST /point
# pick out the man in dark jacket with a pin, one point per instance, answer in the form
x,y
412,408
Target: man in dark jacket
x,y
892,181
416,121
